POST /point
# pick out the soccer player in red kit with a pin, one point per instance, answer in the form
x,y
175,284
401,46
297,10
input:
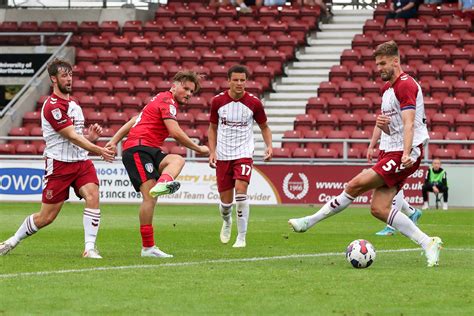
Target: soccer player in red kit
x,y
231,147
67,163
404,134
151,171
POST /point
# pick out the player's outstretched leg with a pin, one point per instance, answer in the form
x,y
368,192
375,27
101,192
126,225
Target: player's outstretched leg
x,y
226,230
334,206
26,229
242,207
162,188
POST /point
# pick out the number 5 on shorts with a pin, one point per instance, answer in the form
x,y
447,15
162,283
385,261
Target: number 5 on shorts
x,y
388,166
246,169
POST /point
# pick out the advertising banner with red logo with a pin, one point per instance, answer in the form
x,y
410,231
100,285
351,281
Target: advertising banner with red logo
x,y
316,184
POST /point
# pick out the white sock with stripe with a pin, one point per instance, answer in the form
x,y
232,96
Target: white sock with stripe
x,y
401,222
226,211
27,228
242,207
334,206
91,221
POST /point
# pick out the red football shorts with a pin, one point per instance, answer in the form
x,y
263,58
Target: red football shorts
x,y
62,175
228,171
389,166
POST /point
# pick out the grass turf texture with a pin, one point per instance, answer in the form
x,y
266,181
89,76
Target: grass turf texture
x,y
397,283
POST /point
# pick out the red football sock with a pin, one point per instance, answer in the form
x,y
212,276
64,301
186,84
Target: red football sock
x,y
148,239
165,178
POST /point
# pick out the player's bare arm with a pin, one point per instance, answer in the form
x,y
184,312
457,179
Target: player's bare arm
x,y
408,118
177,133
212,137
383,123
94,132
121,133
267,138
79,140
373,141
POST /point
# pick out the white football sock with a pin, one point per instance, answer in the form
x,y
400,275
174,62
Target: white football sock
x,y
401,222
334,206
91,221
407,209
27,228
399,203
226,211
242,207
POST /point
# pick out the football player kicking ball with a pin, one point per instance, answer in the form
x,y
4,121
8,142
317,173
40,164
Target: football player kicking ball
x,y
67,163
404,135
399,201
231,149
151,171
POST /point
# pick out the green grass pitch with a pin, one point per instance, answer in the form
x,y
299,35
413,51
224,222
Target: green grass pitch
x,y
206,277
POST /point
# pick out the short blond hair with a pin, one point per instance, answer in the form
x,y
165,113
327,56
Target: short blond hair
x,y
183,76
389,48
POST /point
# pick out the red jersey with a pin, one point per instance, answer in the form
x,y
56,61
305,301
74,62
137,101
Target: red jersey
x,y
150,129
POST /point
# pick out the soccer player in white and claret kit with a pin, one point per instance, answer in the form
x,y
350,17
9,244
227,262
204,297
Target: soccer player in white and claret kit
x,y
404,135
67,162
231,146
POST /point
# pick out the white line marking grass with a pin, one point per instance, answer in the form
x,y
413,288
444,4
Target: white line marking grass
x,y
195,263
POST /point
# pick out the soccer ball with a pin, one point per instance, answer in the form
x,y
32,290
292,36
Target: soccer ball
x,y
360,253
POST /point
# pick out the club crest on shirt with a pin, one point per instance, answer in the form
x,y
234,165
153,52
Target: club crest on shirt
x,y
56,114
149,167
173,110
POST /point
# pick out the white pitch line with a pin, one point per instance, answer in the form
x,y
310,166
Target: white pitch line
x,y
194,263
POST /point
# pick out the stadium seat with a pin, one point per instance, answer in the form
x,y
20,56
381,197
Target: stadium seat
x,y
327,153
327,89
450,72
26,149
431,146
304,122
338,106
357,134
313,134
349,122
438,56
444,154
290,140
123,88
337,135
179,150
372,27
455,136
131,105
360,74
381,38
196,105
459,26
463,89
448,9
453,105
415,26
463,154
360,41
95,117
432,105
32,119
89,27
371,89
427,72
368,122
375,153
449,41
7,149
427,10
309,15
93,73
126,57
442,122
415,57
144,89
110,104
338,73
195,134
18,131
353,153
316,106
98,43
281,153
326,122
48,26
367,57
37,132
361,105
394,26
102,88
185,120
461,57
69,26
350,57
303,153
437,26
464,123
440,89
89,103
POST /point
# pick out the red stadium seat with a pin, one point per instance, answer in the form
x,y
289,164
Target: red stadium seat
x,y
131,105
93,73
281,153
394,26
427,72
69,26
461,57
460,26
7,149
313,134
290,140
361,74
462,89
80,88
303,153
437,26
102,88
309,15
354,153
453,105
448,9
350,57
367,57
361,41
464,123
442,122
338,73
450,72
381,38
326,122
372,27
98,42
371,89
337,135
26,149
428,10
48,26
88,27
304,122
95,117
327,153
349,122
338,106
438,56
440,89
179,150
415,26
196,105
18,131
327,89
360,135
465,154
432,105
449,41
368,121
434,136
455,136
117,119
415,57
106,58
361,105
349,89
32,119
110,104
185,120
316,105
144,89
444,154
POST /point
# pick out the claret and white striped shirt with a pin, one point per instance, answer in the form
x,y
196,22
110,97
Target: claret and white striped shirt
x,y
56,114
405,93
234,119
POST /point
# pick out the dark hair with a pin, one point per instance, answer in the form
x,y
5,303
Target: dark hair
x,y
191,76
389,48
240,69
56,64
